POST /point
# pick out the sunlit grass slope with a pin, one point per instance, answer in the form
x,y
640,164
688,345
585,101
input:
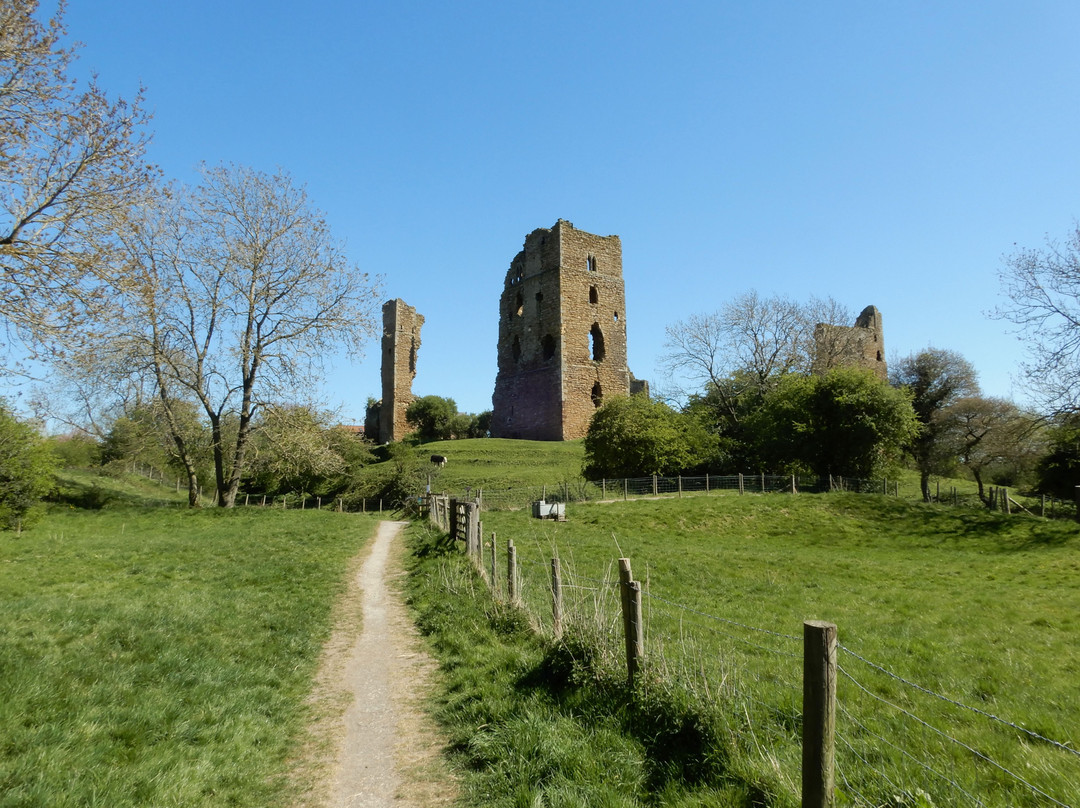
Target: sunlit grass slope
x,y
161,657
499,463
980,607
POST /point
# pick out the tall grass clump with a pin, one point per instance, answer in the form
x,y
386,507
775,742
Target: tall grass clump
x,y
539,721
162,657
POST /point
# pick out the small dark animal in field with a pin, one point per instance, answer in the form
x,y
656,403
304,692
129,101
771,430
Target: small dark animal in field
x,y
438,460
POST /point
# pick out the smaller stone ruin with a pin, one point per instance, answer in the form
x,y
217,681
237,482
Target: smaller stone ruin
x,y
400,344
861,345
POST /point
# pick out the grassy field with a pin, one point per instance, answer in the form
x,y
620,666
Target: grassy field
x,y
981,608
156,656
497,463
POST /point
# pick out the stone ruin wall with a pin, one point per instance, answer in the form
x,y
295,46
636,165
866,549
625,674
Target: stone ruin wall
x,y
862,345
400,344
562,335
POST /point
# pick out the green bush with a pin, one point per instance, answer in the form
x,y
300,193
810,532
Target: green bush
x,y
26,470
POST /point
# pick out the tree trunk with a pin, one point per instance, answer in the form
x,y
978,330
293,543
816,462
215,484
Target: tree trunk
x,y
978,480
924,483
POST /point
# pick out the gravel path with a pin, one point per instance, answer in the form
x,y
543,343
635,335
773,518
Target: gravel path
x,y
377,746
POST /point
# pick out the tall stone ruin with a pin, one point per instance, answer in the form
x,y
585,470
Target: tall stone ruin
x,y
400,344
562,335
862,345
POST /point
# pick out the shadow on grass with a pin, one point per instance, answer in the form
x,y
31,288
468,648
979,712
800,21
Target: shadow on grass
x,y
993,532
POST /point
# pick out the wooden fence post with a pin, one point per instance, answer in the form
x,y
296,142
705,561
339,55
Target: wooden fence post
x,y
793,484
655,490
819,713
763,482
630,595
740,484
1005,505
246,496
511,572
1042,506
706,482
494,565
680,486
603,488
556,597
624,489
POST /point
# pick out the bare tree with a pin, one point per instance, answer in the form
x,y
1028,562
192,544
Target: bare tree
x,y
235,292
745,347
935,378
71,162
1043,291
985,433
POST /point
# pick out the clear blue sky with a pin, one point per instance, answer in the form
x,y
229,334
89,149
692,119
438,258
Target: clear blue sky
x,y
877,152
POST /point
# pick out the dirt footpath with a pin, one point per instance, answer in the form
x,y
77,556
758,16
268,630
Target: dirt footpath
x,y
372,745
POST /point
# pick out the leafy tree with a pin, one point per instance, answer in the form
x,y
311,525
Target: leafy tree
x,y
1058,472
1043,291
295,450
433,417
846,423
745,347
71,165
635,436
75,450
991,438
26,470
935,378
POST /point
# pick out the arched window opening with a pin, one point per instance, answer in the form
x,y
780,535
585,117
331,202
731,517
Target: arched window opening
x,y
590,263
547,344
597,395
539,300
520,305
616,316
515,349
596,343
594,296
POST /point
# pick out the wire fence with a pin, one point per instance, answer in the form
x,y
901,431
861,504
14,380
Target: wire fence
x,y
897,742
578,490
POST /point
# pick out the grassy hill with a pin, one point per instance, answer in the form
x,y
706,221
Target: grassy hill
x,y
154,655
501,463
979,608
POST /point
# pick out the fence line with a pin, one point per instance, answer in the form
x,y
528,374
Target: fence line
x,y
572,600
999,498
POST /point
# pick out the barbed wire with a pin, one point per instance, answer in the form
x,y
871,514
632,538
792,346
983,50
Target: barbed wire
x,y
948,700
948,737
722,619
866,763
906,754
736,638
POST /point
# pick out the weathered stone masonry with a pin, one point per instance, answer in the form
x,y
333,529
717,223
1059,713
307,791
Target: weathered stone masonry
x,y
562,335
400,344
862,345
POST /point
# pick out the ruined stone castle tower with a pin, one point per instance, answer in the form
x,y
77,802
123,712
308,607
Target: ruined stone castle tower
x,y
562,335
862,345
400,343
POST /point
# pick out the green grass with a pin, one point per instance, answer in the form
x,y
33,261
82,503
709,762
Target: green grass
x,y
156,656
530,725
498,463
981,608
